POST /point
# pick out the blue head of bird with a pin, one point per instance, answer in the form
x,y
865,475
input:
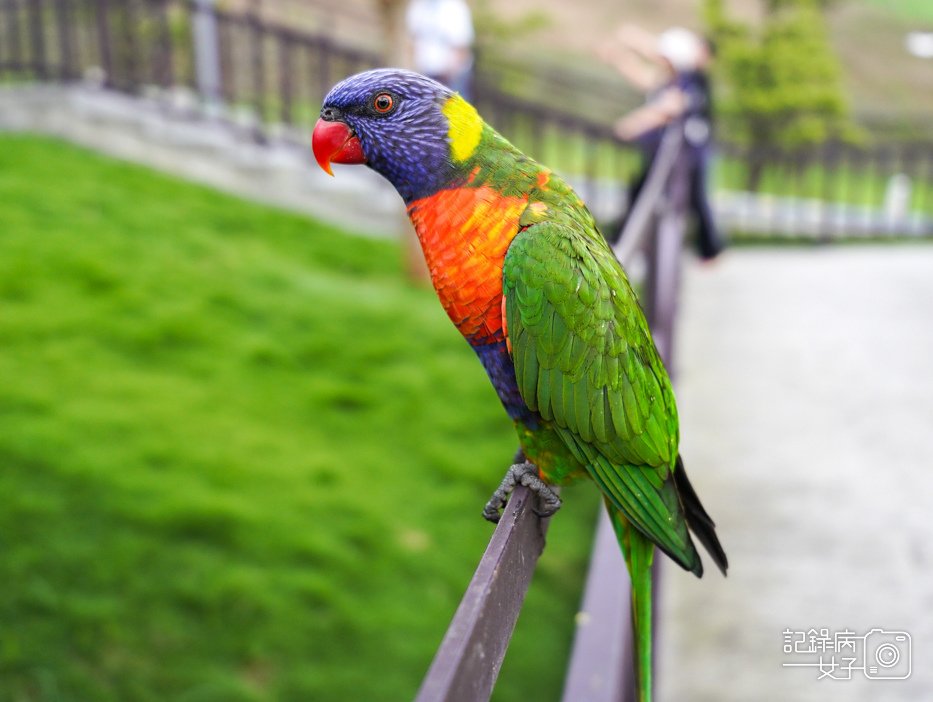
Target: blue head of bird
x,y
407,127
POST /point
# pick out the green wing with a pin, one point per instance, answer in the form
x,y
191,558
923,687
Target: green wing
x,y
585,361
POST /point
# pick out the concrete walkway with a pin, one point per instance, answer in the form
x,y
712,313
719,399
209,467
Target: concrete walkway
x,y
806,393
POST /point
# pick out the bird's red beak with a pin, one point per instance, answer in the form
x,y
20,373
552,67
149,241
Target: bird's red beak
x,y
335,142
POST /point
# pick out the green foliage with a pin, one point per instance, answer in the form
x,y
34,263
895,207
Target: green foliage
x,y
493,29
241,458
776,5
910,10
782,84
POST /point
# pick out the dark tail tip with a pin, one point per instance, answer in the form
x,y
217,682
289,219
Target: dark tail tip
x,y
698,520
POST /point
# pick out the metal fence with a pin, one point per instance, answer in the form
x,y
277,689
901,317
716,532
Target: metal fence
x,y
274,78
826,191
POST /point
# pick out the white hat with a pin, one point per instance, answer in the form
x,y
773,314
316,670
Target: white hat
x,y
681,47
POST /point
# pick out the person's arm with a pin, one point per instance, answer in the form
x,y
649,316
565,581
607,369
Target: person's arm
x,y
632,51
669,105
640,41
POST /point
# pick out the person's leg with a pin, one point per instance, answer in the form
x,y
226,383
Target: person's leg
x,y
709,239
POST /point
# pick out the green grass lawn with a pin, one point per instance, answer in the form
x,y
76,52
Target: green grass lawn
x,y
241,458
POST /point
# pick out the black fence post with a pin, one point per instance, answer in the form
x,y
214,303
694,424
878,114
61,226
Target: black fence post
x,y
923,155
828,172
206,48
164,71
323,66
259,71
13,36
63,15
591,194
37,36
103,39
285,76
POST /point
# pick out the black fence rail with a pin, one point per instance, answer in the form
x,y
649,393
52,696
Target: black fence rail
x,y
827,190
265,74
281,74
124,45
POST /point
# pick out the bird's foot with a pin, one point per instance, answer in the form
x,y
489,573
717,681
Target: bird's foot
x,y
522,474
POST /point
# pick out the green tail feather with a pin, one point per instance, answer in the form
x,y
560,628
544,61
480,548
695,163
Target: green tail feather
x,y
639,554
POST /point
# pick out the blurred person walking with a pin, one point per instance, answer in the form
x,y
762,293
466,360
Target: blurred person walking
x,y
671,69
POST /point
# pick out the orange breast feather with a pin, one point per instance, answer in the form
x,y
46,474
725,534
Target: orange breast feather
x,y
465,233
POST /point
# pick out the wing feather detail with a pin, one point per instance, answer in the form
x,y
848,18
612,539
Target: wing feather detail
x,y
585,360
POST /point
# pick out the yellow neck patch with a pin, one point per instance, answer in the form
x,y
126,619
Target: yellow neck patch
x,y
466,127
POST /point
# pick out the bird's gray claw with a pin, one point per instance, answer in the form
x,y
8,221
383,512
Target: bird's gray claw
x,y
491,512
522,474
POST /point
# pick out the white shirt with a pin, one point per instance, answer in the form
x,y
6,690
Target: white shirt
x,y
438,28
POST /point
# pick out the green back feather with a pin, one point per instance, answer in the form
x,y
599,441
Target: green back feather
x,y
585,360
583,354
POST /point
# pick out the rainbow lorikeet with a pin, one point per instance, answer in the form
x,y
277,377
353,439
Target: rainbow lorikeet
x,y
524,274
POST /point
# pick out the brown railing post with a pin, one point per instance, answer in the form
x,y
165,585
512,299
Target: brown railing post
x,y
662,284
600,666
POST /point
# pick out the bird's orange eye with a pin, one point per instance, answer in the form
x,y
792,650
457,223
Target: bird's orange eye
x,y
383,102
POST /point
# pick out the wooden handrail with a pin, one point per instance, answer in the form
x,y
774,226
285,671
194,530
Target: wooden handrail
x,y
467,663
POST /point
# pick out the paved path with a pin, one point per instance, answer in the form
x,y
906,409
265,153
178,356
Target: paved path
x,y
806,392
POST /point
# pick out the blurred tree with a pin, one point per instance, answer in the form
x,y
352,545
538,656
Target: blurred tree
x,y
781,82
773,5
493,29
